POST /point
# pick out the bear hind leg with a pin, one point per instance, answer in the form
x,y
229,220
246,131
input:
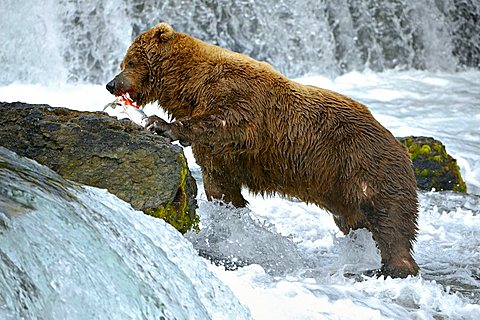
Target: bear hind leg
x,y
394,236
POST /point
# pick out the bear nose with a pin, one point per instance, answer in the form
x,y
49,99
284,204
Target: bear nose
x,y
111,86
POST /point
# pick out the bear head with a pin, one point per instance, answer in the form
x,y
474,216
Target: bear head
x,y
140,76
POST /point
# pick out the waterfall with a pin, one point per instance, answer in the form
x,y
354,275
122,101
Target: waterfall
x,y
32,47
84,41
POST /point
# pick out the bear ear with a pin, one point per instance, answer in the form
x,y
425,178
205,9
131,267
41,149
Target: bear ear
x,y
163,31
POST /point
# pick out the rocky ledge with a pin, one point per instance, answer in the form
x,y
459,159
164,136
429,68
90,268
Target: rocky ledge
x,y
95,149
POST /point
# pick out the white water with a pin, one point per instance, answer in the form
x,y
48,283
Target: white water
x,y
301,276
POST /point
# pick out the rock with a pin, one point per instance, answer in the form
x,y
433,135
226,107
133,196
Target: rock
x,y
434,168
95,149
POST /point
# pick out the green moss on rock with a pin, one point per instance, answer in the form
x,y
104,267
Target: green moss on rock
x,y
425,150
425,172
434,168
437,159
177,212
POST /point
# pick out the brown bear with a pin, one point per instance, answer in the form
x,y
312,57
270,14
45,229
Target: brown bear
x,y
250,126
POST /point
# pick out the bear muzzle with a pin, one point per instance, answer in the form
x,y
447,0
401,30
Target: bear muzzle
x,y
119,85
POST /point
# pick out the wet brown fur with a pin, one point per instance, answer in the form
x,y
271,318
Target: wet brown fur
x,y
250,126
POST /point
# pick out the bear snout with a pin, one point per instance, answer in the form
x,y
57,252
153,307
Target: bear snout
x,y
119,85
111,86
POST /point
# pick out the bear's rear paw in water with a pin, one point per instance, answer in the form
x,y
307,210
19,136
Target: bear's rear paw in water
x,y
396,268
362,276
377,273
400,268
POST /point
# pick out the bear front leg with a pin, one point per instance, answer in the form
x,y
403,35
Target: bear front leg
x,y
171,131
220,187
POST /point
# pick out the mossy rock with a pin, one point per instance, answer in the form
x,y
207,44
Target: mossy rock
x,y
434,167
94,149
178,212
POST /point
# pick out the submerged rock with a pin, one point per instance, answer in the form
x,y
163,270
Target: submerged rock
x,y
434,167
95,149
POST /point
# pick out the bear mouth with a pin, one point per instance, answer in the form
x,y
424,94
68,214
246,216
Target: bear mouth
x,y
125,97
